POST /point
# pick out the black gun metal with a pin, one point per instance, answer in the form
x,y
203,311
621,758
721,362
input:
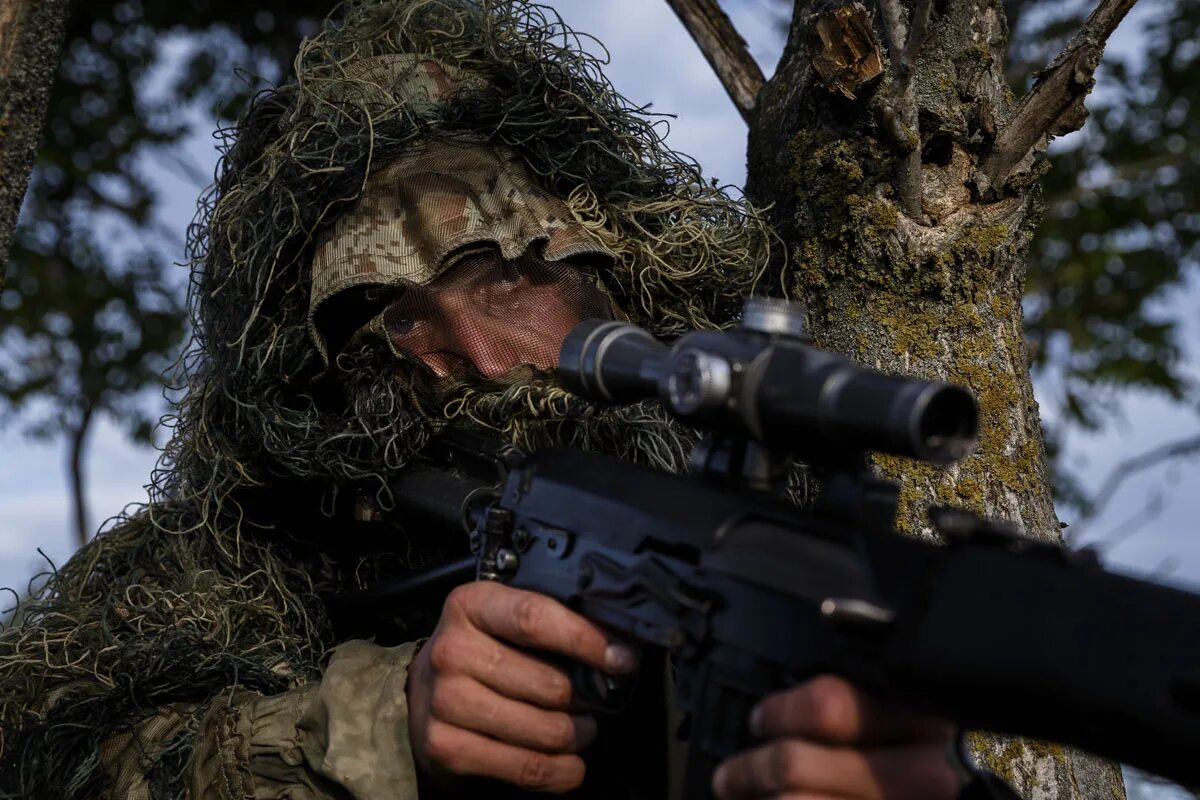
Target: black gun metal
x,y
750,594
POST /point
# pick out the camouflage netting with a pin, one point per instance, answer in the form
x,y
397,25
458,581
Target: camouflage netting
x,y
217,581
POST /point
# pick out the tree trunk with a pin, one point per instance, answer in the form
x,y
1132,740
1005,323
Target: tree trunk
x,y
75,466
31,34
905,265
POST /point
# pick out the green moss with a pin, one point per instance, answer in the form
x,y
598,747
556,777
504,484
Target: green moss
x,y
919,330
914,327
1003,760
967,268
911,477
847,225
883,215
843,221
948,314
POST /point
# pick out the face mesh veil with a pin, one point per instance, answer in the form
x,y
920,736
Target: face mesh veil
x,y
490,315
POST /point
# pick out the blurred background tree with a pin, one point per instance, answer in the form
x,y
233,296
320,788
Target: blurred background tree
x,y
92,314
1121,236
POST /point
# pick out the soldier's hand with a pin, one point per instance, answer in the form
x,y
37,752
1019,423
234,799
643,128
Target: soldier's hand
x,y
481,705
827,739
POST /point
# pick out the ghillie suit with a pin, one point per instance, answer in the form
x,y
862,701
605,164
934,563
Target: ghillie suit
x,y
183,644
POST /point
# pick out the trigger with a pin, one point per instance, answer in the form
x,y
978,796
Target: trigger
x,y
599,691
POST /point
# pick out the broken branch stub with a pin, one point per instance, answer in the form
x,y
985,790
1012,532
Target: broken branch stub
x,y
845,53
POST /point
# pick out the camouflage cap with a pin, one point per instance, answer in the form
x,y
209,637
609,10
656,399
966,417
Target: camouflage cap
x,y
417,85
421,212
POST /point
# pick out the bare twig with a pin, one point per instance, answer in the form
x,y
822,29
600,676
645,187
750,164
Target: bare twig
x,y
1128,528
897,33
916,37
725,50
898,115
1054,106
1126,469
908,179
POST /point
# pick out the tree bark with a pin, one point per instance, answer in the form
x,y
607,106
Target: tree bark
x,y
933,291
31,35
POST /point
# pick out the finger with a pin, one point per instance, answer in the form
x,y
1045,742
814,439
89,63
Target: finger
x,y
533,620
466,753
466,703
510,672
797,766
831,710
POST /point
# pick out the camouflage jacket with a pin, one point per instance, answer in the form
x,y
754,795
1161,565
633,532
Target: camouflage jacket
x,y
345,736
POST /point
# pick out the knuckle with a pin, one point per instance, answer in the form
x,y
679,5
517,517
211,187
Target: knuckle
x,y
536,772
558,691
833,707
445,699
530,616
460,599
444,653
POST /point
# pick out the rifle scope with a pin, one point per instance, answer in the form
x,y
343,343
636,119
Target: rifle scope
x,y
764,379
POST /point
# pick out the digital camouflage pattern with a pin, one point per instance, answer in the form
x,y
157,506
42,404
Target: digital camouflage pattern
x,y
439,198
167,658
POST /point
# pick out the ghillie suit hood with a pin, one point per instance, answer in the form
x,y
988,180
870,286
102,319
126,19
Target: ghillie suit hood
x,y
216,581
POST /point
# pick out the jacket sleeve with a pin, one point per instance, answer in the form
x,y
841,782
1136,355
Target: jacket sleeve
x,y
342,738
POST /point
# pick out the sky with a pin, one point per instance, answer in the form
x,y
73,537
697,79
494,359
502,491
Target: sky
x,y
653,61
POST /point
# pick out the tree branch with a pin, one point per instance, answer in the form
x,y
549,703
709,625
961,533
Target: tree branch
x,y
897,33
1131,466
1054,106
909,179
899,116
916,37
725,50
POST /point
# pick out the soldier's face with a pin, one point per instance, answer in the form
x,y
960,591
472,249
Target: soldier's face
x,y
460,261
494,316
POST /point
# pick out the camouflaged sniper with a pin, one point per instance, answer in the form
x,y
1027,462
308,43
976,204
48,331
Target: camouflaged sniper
x,y
187,652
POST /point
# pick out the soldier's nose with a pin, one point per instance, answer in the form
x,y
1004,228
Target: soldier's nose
x,y
478,336
504,324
